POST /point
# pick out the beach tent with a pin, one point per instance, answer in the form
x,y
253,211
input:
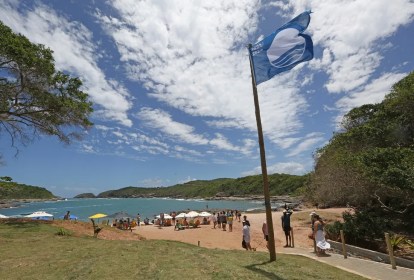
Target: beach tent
x,y
120,215
166,216
193,214
97,216
39,214
3,217
205,214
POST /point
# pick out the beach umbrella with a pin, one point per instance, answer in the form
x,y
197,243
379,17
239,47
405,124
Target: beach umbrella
x,y
193,214
3,217
120,215
166,216
182,216
205,214
97,216
39,214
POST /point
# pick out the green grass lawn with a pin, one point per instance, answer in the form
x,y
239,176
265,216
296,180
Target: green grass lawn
x,y
32,250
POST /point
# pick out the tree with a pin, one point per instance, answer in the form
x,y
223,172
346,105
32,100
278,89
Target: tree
x,y
370,163
6,178
36,99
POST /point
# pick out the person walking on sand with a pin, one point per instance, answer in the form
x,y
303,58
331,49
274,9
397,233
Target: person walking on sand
x,y
213,219
286,226
319,236
246,235
265,234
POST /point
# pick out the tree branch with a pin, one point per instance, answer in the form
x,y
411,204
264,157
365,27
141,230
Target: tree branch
x,y
389,208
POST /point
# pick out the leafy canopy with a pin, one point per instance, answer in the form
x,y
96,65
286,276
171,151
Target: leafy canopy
x,y
370,163
35,98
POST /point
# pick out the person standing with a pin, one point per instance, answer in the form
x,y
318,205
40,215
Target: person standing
x,y
138,219
223,220
246,220
319,236
246,235
286,226
213,219
230,220
265,234
67,216
219,219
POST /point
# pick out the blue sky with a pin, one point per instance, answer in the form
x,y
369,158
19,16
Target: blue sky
x,y
171,86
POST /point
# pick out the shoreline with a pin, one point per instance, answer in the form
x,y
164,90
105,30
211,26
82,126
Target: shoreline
x,y
293,202
17,202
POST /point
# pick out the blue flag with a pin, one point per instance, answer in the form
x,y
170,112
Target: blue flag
x,y
283,49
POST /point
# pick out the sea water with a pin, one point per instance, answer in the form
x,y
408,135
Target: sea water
x,y
146,207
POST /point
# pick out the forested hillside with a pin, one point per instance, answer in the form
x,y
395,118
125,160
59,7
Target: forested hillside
x,y
280,184
12,190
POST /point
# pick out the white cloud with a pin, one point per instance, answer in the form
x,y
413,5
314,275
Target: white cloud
x,y
351,34
186,180
74,51
371,93
293,168
192,56
308,143
163,121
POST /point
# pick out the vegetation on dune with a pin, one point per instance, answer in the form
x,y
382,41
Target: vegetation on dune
x,y
36,251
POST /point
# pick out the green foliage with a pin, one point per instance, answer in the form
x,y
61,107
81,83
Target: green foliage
x,y
34,97
409,243
279,184
12,190
371,162
6,178
63,232
360,229
396,240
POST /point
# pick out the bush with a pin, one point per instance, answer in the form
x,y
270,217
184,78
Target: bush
x,y
63,232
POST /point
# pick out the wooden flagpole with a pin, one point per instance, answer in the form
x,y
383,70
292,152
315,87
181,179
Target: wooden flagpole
x,y
269,220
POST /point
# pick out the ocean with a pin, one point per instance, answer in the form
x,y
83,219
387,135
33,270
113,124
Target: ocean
x,y
146,207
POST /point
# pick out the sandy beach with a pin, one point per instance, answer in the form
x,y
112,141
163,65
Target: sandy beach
x,y
217,238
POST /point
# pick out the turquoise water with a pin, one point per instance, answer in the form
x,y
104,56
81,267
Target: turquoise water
x,y
146,207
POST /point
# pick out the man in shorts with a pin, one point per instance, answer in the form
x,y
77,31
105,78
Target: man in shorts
x,y
286,226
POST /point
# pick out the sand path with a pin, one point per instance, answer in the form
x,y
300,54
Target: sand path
x,y
217,238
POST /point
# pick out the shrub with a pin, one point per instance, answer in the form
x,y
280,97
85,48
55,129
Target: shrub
x,y
63,232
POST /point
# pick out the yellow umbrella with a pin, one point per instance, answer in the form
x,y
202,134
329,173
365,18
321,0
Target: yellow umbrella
x,y
97,216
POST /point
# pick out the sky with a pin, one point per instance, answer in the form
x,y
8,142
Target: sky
x,y
172,92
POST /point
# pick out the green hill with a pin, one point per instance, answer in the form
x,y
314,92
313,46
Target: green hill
x,y
12,190
279,184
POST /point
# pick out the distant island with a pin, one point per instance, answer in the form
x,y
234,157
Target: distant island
x,y
222,188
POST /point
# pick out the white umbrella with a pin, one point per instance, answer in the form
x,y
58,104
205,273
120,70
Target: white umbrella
x,y
166,216
182,216
39,214
205,214
3,217
193,214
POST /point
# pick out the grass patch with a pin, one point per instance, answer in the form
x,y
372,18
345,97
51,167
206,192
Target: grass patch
x,y
32,250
